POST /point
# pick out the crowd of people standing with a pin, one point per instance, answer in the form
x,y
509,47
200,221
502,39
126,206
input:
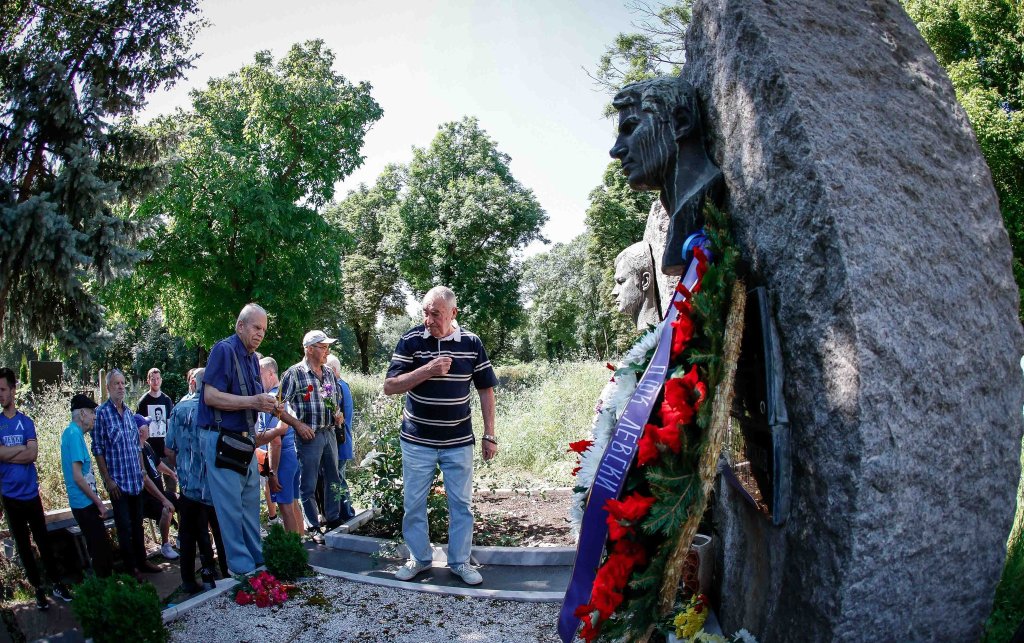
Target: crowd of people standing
x,y
197,460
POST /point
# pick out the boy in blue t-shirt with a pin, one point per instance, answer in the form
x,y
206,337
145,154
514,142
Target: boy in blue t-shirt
x,y
19,491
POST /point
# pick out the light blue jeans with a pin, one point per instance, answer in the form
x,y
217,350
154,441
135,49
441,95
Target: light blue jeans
x,y
237,501
418,466
319,453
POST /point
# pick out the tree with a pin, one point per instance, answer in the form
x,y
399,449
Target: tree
x,y
981,45
463,219
72,74
656,49
370,276
567,315
261,149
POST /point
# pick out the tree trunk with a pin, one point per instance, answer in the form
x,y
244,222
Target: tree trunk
x,y
363,340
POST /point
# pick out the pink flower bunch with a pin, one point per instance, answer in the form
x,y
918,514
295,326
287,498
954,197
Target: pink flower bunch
x,y
264,590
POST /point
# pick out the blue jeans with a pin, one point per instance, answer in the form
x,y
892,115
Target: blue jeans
x,y
319,453
418,466
236,498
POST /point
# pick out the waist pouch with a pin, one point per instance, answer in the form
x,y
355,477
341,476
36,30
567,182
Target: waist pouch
x,y
234,452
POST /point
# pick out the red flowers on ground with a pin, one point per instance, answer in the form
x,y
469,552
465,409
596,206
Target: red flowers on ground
x,y
263,589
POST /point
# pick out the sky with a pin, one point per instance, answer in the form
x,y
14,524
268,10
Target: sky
x,y
518,67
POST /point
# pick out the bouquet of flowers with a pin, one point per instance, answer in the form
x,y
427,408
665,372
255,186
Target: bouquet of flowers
x,y
263,589
326,394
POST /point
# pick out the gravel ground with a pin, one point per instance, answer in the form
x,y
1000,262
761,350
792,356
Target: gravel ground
x,y
333,609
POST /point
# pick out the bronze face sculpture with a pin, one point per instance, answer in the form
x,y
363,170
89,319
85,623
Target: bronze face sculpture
x,y
636,289
661,146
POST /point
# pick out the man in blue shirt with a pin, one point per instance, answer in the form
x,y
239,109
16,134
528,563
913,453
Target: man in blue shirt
x,y
185,455
115,443
229,400
434,365
345,450
86,505
19,490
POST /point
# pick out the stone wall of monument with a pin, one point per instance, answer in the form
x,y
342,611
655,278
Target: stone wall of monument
x,y
861,198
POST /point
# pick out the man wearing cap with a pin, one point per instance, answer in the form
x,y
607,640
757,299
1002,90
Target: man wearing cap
x,y
85,503
19,490
313,392
229,400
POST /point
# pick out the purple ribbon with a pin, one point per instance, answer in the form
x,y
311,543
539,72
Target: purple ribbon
x,y
617,461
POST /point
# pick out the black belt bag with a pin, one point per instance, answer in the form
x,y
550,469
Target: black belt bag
x,y
234,451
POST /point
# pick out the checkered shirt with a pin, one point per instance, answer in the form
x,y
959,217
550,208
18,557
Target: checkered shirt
x,y
116,438
307,403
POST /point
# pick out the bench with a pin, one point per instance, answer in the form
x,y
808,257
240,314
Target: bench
x,y
63,520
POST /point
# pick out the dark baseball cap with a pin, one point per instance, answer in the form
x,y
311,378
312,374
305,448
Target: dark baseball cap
x,y
82,401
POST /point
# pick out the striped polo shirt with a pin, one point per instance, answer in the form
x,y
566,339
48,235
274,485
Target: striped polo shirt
x,y
437,411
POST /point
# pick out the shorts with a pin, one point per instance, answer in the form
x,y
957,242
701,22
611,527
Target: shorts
x,y
288,476
152,508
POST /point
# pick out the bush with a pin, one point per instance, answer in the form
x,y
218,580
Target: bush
x,y
378,480
118,609
284,554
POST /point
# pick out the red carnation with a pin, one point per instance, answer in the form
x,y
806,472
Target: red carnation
x,y
632,508
262,600
682,332
580,446
609,366
575,471
702,393
647,446
243,598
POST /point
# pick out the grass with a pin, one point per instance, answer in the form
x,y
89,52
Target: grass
x,y
540,408
1008,608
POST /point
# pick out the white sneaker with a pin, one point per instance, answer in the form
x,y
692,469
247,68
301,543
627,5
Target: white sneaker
x,y
168,552
410,569
468,575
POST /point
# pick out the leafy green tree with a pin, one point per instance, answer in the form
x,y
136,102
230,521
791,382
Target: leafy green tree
x,y
464,218
72,74
567,315
370,276
261,149
981,45
655,48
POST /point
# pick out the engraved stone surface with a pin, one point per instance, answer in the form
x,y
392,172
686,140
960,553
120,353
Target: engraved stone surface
x,y
860,197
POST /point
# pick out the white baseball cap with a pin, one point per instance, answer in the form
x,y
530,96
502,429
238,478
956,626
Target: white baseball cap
x,y
317,337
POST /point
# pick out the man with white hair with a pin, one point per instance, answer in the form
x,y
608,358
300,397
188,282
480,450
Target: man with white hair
x,y
229,400
115,443
80,483
434,365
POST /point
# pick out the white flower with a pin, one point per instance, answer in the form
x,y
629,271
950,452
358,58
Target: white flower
x,y
744,636
370,459
613,400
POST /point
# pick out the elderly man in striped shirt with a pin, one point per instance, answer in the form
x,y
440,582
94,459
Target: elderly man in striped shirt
x,y
434,365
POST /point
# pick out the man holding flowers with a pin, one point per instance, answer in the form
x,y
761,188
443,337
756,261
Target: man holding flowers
x,y
313,393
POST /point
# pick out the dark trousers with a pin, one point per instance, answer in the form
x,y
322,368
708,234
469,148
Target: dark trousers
x,y
26,516
193,532
95,533
128,520
222,556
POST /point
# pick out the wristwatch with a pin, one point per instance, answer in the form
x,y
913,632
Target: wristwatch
x,y
490,438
